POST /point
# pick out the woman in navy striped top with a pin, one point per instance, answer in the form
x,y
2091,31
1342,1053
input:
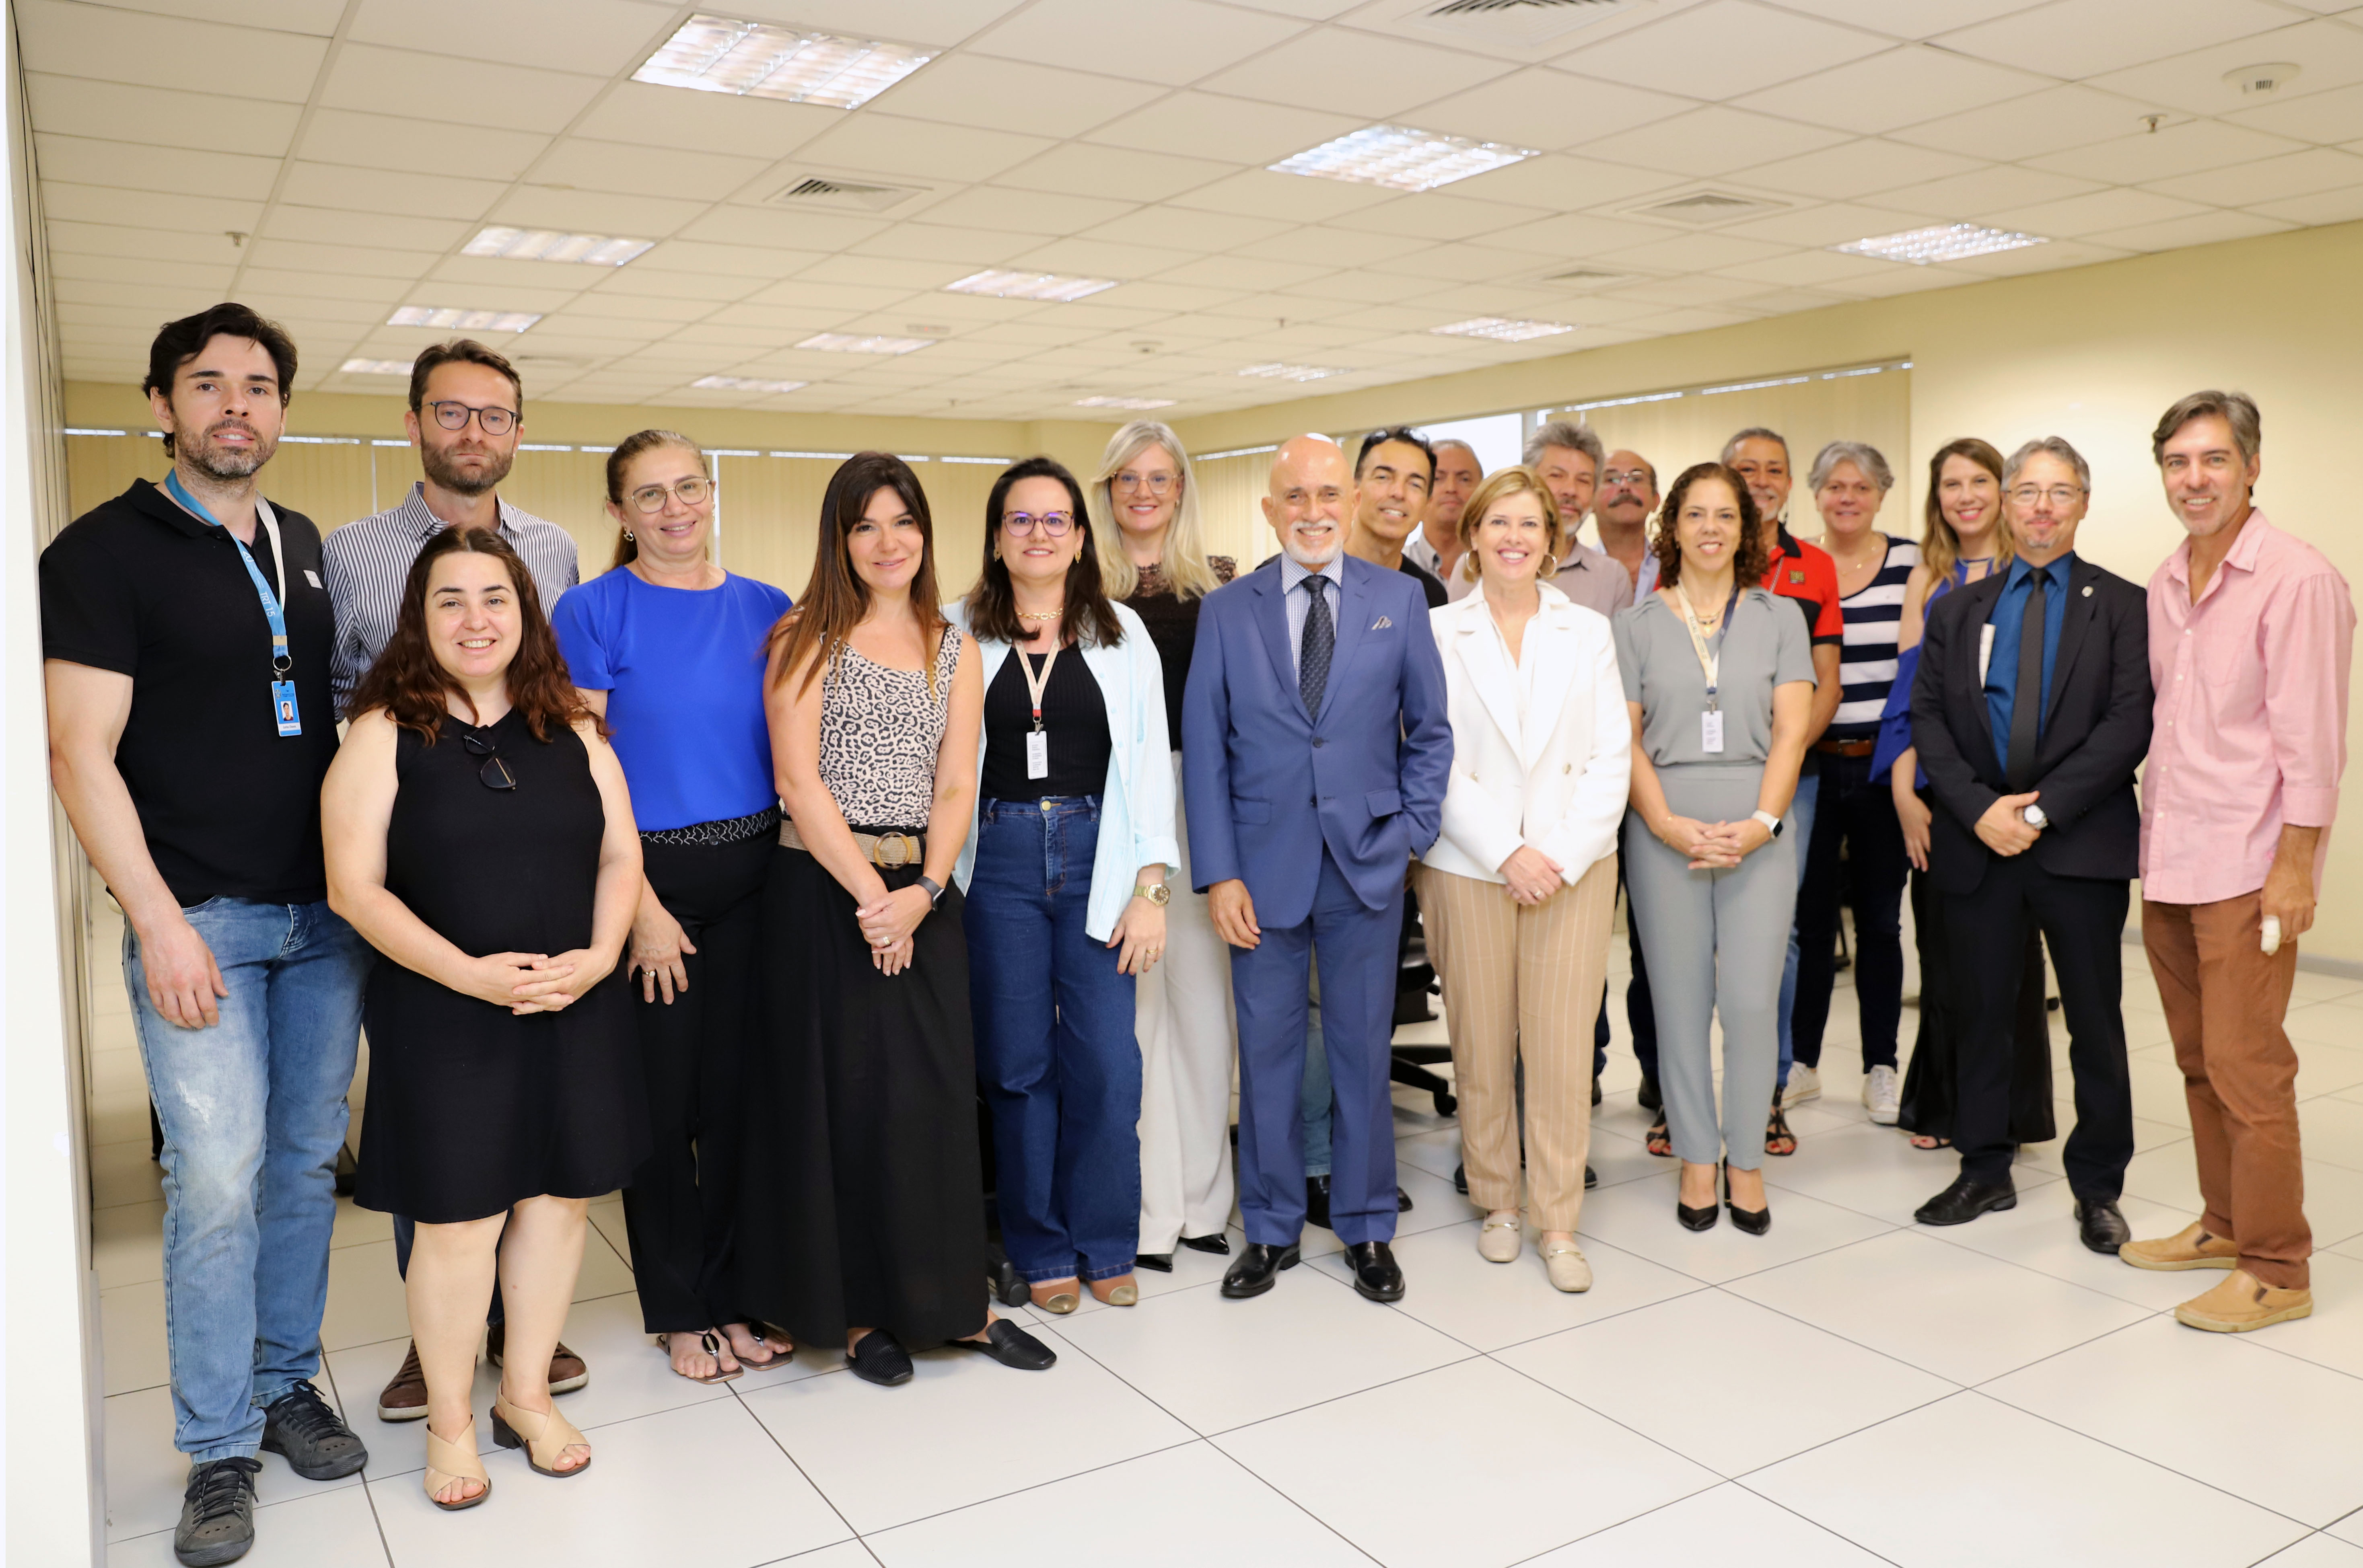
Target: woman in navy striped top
x,y
1850,482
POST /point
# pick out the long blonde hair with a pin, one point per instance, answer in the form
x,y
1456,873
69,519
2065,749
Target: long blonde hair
x,y
1940,546
1184,560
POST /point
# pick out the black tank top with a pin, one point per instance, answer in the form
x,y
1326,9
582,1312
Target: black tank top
x,y
1074,715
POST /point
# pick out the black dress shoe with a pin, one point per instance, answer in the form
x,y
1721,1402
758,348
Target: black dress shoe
x,y
1156,1262
1755,1222
1650,1098
1376,1275
1590,1179
1966,1199
1596,1091
1257,1268
1317,1201
1007,1343
1460,1179
1218,1243
878,1357
2101,1225
1402,1201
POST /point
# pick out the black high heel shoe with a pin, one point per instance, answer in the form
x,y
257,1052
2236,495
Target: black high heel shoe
x,y
1694,1219
1755,1222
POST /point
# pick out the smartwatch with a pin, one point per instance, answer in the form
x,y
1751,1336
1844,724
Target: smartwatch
x,y
2033,817
1157,893
934,891
1772,824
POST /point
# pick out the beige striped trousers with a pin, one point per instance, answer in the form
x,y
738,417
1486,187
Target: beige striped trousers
x,y
1522,978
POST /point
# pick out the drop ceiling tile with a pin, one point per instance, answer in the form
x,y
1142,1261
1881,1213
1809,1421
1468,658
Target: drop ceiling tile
x,y
1179,298
113,44
1814,269
1835,224
1549,109
1181,230
1102,258
1984,191
1711,141
2203,228
137,166
1565,181
1240,272
616,314
595,211
1900,279
1438,216
1575,235
640,171
799,294
1459,264
462,91
2050,121
1259,192
345,226
76,106
778,226
1352,73
1695,252
730,261
417,193
380,293
2083,216
2058,255
1721,49
958,247
745,326
354,260
169,270
2186,148
1666,322
647,114
1234,128
2331,117
1901,88
177,299
1081,169
661,283
598,38
1919,19
2326,206
893,272
1008,95
1858,168
1788,301
413,146
1319,243
2302,173
925,153
71,238
2328,54
2079,39
1038,211
1159,41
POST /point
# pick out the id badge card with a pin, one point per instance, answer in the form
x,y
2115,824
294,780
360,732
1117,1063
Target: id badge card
x,y
1711,731
1037,755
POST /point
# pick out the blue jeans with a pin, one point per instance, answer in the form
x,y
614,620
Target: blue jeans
x,y
1800,822
253,1111
1054,1049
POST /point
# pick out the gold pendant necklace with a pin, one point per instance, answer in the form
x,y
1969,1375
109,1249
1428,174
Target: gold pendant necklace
x,y
1043,616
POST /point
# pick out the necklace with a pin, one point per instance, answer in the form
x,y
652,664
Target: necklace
x,y
1042,616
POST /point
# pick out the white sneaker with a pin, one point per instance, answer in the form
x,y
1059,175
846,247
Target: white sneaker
x,y
1878,1092
1805,1084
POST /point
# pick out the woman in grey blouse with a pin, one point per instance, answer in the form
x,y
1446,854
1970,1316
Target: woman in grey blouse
x,y
1719,678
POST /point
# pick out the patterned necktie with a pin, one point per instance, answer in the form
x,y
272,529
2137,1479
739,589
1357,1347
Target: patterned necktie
x,y
1320,642
2027,702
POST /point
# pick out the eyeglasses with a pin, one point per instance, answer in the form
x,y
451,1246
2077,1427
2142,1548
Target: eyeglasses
x,y
493,774
1156,484
1636,477
2059,494
693,492
1054,524
496,420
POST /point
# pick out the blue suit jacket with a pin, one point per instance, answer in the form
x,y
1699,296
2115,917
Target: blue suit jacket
x,y
1267,784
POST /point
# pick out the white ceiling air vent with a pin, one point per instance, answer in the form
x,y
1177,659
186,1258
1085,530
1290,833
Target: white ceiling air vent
x,y
1704,209
1506,22
852,195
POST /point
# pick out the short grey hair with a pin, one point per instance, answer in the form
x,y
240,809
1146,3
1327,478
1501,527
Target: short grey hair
x,y
1565,433
2236,409
1861,454
2058,448
1753,433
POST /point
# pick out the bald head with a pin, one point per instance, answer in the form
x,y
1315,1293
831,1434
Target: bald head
x,y
1310,499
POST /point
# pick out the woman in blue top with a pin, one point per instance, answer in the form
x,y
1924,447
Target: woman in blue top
x,y
1066,883
668,647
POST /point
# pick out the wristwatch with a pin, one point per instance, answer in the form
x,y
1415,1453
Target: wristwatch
x,y
2033,817
934,891
1772,824
1157,893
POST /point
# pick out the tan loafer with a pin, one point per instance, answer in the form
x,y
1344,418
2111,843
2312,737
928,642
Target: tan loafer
x,y
2241,1303
2190,1247
1568,1268
1501,1240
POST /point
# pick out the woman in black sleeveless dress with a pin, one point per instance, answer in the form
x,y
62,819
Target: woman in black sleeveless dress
x,y
480,836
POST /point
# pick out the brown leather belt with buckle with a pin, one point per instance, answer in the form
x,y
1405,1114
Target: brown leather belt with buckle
x,y
1847,748
888,849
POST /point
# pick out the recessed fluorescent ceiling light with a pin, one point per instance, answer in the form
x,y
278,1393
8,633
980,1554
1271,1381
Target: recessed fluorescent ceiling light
x,y
1292,372
850,343
1941,242
1029,286
713,54
376,367
745,383
1134,403
1504,330
548,245
466,320
1402,159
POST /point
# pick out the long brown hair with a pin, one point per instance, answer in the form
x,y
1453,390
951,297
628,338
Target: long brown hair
x,y
835,598
1748,563
1940,546
992,602
619,463
414,688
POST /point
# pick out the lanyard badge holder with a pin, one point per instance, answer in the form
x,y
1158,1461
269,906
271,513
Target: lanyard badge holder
x,y
1710,662
283,709
1038,743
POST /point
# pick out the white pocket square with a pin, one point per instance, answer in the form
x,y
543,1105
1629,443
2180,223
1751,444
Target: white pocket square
x,y
1382,623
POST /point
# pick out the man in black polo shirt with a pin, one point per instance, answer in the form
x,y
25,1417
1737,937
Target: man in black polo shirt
x,y
187,635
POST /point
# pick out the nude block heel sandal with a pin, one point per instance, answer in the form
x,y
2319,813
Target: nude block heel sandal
x,y
542,1436
450,1462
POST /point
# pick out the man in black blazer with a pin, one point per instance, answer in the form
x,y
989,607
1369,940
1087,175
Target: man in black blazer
x,y
2031,711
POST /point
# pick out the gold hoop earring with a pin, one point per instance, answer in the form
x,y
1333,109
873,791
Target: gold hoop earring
x,y
630,537
1550,564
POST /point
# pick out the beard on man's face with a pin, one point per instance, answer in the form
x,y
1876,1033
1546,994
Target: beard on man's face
x,y
444,469
216,461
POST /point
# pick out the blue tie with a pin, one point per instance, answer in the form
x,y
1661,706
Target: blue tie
x,y
1320,642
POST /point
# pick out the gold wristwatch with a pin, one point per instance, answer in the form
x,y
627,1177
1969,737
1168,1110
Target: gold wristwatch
x,y
1157,893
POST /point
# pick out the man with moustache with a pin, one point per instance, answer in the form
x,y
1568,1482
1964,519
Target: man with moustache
x,y
1627,499
467,407
1315,747
1568,457
187,636
2251,634
1436,547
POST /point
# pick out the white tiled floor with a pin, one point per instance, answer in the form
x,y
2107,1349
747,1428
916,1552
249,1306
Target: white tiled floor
x,y
1851,1389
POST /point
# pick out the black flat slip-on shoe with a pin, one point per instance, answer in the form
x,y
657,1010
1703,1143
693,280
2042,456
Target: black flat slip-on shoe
x,y
878,1357
1218,1243
1155,1262
1254,1270
1013,1347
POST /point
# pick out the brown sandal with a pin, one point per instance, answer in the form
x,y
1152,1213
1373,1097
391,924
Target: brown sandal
x,y
1777,1138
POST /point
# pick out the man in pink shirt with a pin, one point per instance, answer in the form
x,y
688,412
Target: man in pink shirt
x,y
2250,633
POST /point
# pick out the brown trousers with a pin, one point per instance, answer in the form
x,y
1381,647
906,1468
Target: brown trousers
x,y
1522,980
2224,1004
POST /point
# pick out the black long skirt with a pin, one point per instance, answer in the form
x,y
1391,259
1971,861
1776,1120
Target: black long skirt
x,y
1927,1103
864,1204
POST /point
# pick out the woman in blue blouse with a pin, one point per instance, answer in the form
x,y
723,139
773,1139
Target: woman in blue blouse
x,y
669,649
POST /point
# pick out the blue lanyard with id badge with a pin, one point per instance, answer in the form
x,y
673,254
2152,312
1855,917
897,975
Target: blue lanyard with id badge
x,y
283,710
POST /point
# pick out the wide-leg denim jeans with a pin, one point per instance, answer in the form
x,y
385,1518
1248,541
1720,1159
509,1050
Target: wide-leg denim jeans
x,y
1054,1049
253,1111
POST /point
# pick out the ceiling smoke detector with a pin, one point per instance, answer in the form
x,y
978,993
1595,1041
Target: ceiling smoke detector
x,y
2260,80
847,195
1704,209
1507,22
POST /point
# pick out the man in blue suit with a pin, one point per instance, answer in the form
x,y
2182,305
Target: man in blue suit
x,y
1314,750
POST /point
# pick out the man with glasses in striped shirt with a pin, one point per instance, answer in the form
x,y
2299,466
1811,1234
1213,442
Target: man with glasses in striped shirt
x,y
466,411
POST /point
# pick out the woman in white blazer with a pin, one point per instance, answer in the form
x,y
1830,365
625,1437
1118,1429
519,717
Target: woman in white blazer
x,y
1519,892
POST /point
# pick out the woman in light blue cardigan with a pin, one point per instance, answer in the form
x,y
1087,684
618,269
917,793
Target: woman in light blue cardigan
x,y
1065,878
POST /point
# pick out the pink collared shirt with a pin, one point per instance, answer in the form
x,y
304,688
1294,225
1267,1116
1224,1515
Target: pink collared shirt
x,y
2250,714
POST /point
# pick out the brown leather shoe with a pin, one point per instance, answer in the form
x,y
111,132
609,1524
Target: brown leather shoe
x,y
2241,1303
404,1398
567,1371
2190,1247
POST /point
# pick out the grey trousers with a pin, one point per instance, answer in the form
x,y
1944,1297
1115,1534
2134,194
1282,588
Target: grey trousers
x,y
1714,942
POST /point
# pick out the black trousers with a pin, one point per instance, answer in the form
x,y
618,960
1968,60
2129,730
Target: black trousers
x,y
1640,1014
1859,810
2082,920
681,1208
